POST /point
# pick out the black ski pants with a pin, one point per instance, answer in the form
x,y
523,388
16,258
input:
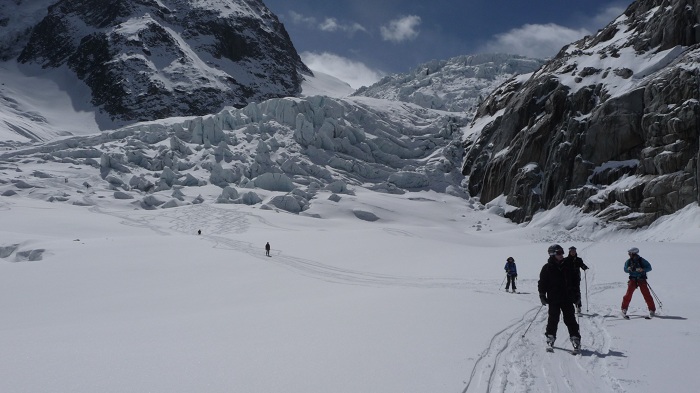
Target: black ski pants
x,y
511,279
568,310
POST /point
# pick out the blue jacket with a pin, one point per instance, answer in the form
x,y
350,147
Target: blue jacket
x,y
511,270
637,263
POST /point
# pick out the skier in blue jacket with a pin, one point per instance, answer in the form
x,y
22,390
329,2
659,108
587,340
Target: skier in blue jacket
x,y
511,273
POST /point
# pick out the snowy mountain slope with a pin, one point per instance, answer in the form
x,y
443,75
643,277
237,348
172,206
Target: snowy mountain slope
x,y
321,84
608,125
63,108
149,60
458,84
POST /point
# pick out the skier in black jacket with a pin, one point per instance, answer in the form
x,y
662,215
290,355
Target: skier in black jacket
x,y
574,259
559,288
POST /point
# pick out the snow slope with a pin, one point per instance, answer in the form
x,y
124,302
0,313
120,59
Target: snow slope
x,y
111,299
26,116
322,84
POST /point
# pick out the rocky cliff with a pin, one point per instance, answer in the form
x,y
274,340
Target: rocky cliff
x,y
609,125
149,59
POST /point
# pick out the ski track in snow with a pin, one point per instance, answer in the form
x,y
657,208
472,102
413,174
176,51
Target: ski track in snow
x,y
215,223
511,362
515,361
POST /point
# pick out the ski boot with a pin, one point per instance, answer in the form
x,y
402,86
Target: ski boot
x,y
550,343
576,342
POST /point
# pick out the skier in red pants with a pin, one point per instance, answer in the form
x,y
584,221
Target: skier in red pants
x,y
637,267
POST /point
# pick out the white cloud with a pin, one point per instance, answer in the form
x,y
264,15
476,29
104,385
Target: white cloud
x,y
355,73
539,41
299,19
402,29
330,25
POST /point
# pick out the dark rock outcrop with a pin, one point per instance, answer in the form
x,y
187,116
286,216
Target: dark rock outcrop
x,y
147,59
611,124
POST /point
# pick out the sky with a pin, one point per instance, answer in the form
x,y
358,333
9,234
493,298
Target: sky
x,y
360,41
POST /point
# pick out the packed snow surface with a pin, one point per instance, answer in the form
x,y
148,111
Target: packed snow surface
x,y
108,298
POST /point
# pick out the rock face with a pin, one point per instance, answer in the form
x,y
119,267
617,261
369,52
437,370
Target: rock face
x,y
609,125
150,59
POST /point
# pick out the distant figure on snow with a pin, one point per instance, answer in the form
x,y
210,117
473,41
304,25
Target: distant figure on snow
x,y
267,249
199,231
637,267
574,259
511,273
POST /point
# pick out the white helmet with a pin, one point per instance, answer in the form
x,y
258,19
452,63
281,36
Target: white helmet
x,y
633,250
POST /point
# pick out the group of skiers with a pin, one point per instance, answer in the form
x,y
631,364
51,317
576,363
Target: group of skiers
x,y
559,288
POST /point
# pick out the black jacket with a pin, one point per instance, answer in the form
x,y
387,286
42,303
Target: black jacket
x,y
560,281
577,261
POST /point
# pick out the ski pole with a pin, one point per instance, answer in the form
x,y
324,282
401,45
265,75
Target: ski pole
x,y
533,320
661,305
504,280
585,277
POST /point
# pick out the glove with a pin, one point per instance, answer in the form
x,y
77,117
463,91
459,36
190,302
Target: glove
x,y
543,299
640,270
585,268
515,275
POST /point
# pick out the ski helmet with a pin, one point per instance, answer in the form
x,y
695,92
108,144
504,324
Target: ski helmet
x,y
510,259
554,249
633,250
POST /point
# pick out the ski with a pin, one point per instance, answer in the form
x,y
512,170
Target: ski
x,y
573,351
627,317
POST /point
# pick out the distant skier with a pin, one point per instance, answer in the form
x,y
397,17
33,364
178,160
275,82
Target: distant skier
x,y
574,259
637,267
511,272
199,231
267,249
559,288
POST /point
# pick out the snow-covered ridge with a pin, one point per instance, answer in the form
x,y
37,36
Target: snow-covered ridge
x,y
458,84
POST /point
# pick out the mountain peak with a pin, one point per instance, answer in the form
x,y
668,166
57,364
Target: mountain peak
x,y
145,59
458,84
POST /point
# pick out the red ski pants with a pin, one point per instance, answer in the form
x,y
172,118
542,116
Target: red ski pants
x,y
632,284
